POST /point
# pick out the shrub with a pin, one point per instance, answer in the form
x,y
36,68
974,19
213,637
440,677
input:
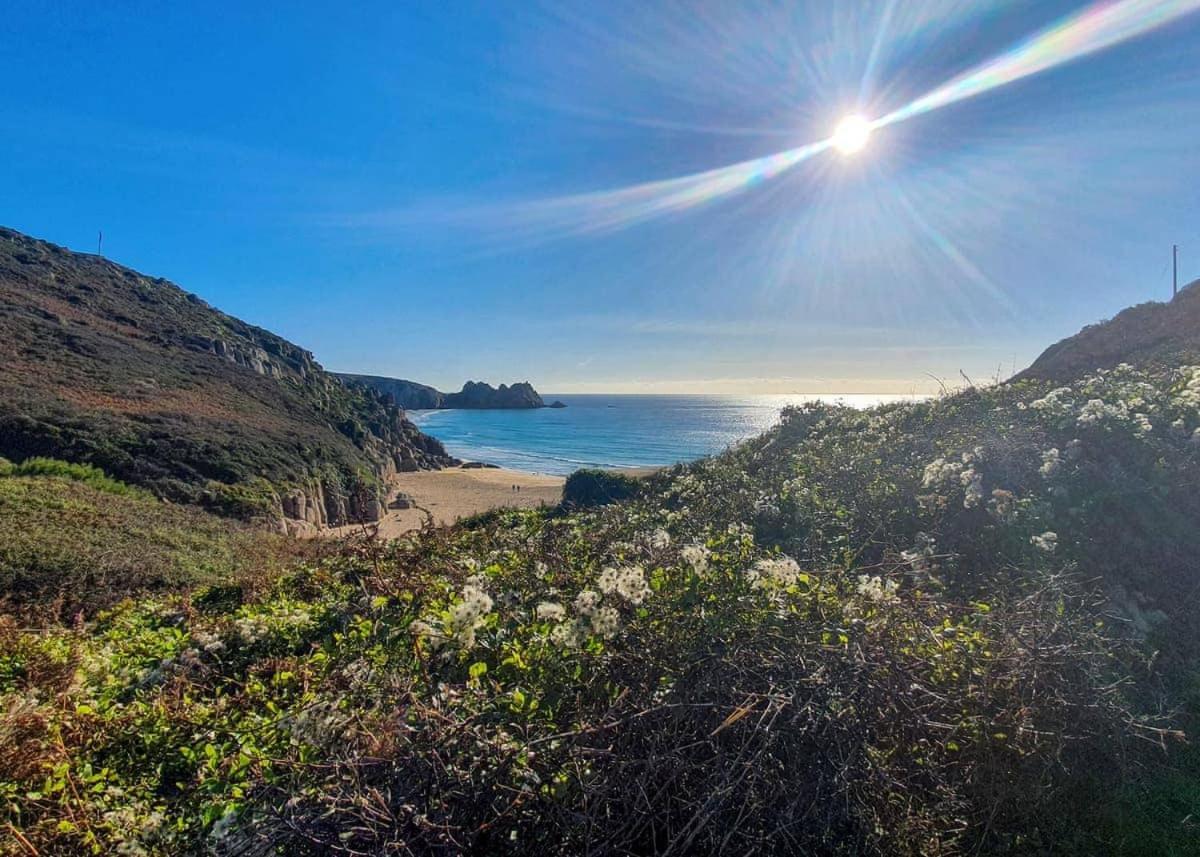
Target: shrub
x,y
72,545
894,632
590,487
52,467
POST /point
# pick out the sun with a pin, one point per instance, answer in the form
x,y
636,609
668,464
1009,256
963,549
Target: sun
x,y
851,134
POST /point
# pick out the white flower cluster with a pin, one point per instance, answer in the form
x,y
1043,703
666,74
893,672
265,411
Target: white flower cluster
x,y
472,610
587,602
606,622
593,618
1096,412
1047,541
660,539
629,582
210,643
972,482
1056,403
1189,396
1126,396
696,556
942,472
875,588
466,617
258,626
777,573
1051,463
251,628
1003,505
594,614
566,635
549,611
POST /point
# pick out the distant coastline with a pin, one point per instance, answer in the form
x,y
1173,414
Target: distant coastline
x,y
614,431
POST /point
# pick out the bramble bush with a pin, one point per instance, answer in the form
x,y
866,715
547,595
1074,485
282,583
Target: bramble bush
x,y
920,629
590,487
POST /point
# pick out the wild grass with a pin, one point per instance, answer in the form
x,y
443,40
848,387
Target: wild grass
x,y
76,541
86,473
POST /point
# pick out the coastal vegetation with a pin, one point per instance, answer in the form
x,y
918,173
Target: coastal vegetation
x,y
77,542
106,366
959,626
769,586
594,487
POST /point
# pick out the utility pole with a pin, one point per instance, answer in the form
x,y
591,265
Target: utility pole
x,y
1174,270
99,242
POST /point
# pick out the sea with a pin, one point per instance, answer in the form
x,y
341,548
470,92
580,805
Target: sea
x,y
613,430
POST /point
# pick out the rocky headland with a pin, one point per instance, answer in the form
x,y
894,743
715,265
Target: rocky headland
x,y
474,394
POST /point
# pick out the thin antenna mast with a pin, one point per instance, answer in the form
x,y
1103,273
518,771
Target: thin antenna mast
x,y
99,242
1174,270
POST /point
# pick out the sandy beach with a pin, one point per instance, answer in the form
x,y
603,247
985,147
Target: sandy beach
x,y
456,492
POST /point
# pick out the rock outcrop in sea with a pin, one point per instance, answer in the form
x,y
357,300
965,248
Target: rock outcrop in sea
x,y
475,395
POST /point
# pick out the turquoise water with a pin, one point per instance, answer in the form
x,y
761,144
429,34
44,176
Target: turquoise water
x,y
611,431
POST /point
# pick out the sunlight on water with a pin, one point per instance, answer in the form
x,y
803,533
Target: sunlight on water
x,y
614,431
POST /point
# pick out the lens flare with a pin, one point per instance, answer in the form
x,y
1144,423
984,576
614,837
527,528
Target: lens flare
x,y
1097,27
613,209
851,135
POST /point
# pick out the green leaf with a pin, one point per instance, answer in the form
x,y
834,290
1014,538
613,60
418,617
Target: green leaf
x,y
477,670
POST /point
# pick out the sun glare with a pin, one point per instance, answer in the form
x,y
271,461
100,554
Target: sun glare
x,y
851,135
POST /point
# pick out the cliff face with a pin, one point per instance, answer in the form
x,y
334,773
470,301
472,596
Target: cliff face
x,y
474,394
130,373
1163,333
407,394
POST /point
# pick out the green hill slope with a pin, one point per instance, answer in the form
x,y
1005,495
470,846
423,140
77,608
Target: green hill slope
x,y
76,542
130,373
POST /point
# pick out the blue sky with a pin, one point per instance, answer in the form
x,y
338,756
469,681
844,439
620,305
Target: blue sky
x,y
386,183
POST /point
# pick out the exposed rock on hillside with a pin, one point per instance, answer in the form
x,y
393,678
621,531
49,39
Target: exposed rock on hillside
x,y
1150,333
107,366
406,394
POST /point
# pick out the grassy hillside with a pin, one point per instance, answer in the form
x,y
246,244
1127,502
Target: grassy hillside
x,y
956,627
1161,333
76,541
106,366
